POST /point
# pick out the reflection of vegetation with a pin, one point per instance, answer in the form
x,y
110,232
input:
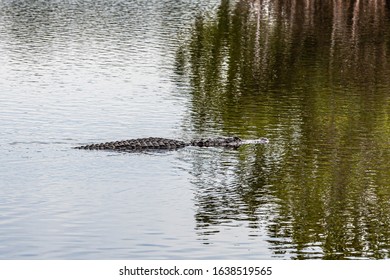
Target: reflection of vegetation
x,y
313,76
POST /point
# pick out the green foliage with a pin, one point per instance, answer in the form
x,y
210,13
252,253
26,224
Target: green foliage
x,y
314,79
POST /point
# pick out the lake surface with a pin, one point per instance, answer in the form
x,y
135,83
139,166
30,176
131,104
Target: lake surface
x,y
311,77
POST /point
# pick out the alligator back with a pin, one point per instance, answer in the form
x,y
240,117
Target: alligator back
x,y
136,144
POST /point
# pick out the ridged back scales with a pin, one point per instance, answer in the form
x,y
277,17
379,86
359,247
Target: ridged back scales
x,y
137,144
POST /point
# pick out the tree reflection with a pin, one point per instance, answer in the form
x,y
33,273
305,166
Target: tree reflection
x,y
312,76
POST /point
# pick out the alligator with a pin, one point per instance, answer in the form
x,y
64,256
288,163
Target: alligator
x,y
156,143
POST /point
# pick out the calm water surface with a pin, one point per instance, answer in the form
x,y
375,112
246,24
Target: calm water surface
x,y
312,77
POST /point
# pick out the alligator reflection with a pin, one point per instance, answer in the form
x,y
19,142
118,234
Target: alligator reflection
x,y
313,77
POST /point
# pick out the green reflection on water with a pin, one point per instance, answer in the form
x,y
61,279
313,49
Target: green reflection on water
x,y
313,77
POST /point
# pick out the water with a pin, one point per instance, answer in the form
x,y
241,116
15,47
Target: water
x,y
312,78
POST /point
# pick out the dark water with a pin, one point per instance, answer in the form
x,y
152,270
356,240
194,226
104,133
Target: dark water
x,y
312,77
